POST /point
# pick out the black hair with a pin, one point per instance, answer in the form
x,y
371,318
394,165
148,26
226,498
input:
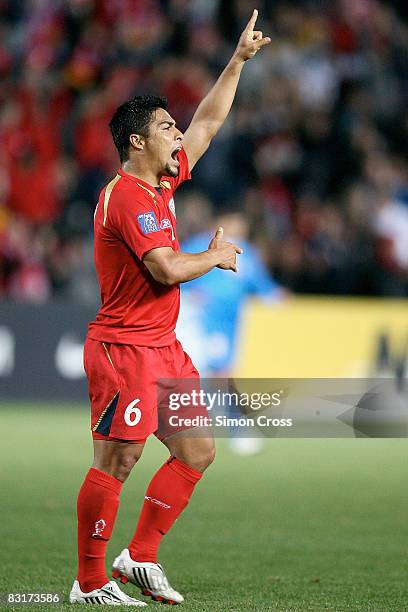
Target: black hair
x,y
133,117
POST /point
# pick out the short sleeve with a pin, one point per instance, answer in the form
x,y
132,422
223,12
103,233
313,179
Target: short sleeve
x,y
184,173
139,226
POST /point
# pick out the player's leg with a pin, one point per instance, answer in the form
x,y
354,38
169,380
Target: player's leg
x,y
169,492
166,497
97,507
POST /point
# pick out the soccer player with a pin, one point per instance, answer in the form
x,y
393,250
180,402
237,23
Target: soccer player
x,y
132,342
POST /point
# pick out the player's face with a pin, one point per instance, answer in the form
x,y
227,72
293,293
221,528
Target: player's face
x,y
164,143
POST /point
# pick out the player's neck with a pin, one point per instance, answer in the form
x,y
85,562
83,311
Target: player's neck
x,y
141,171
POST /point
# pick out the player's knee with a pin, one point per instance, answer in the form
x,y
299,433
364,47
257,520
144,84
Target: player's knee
x,y
202,459
117,459
124,465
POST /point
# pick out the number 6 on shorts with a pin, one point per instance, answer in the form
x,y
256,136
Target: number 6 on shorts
x,y
132,414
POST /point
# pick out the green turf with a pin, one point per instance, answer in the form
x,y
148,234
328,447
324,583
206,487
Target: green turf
x,y
307,525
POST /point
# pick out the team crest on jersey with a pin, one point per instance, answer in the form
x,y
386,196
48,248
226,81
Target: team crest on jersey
x,y
148,222
172,207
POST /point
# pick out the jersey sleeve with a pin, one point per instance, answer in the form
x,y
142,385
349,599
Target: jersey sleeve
x,y
184,173
138,225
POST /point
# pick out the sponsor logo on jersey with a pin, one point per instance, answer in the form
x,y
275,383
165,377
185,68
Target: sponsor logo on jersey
x,y
148,222
99,527
165,223
172,207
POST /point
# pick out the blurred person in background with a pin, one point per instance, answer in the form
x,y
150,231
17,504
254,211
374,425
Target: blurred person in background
x,y
220,300
212,305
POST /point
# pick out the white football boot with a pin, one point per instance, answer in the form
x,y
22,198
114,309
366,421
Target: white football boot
x,y
149,577
109,594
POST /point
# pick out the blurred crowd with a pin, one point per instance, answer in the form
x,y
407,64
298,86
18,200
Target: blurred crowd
x,y
314,152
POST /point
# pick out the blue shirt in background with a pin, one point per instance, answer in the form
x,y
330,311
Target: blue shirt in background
x,y
219,296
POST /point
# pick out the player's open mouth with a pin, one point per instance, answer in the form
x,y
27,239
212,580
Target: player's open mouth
x,y
174,155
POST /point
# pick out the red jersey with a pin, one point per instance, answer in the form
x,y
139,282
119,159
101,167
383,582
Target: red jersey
x,y
132,218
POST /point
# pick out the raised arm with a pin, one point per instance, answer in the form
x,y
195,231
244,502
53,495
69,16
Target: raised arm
x,y
214,108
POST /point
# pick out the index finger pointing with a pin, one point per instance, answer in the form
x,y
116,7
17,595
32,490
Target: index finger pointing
x,y
252,21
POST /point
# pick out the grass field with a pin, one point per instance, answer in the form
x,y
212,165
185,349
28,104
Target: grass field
x,y
307,525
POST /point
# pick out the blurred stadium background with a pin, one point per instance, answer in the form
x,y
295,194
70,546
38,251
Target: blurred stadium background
x,y
310,173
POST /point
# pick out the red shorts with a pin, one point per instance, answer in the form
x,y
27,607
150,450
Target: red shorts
x,y
125,391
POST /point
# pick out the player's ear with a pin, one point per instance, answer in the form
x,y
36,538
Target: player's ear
x,y
137,141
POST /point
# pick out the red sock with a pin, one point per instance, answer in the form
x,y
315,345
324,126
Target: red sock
x,y
166,497
98,503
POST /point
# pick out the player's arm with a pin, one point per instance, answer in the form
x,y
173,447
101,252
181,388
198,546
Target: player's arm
x,y
214,108
171,267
